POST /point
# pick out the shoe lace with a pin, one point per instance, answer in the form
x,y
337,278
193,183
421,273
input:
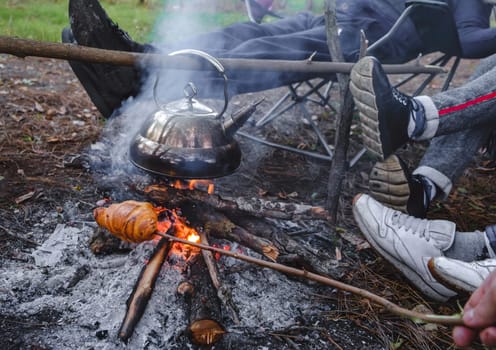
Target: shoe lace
x,y
405,100
412,224
415,110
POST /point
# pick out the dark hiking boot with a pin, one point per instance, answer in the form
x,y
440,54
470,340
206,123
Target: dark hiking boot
x,y
391,183
107,85
384,111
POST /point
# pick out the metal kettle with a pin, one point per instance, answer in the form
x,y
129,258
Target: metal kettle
x,y
187,139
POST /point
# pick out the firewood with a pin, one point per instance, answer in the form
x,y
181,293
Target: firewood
x,y
205,326
291,251
219,226
137,301
253,206
223,293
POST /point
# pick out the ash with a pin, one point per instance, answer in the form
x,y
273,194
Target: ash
x,y
64,296
80,299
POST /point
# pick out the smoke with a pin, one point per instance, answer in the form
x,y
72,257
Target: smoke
x,y
176,29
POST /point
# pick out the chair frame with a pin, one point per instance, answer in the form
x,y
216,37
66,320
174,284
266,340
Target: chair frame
x,y
297,96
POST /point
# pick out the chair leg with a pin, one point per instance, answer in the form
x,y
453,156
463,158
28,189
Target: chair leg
x,y
451,74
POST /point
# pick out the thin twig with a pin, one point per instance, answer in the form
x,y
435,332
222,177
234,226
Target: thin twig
x,y
27,240
389,306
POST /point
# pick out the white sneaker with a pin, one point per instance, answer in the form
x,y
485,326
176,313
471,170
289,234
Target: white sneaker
x,y
461,275
406,242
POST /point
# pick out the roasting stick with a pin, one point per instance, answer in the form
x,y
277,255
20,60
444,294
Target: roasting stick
x,y
452,320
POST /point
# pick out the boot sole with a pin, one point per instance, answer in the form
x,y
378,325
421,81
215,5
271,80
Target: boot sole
x,y
367,106
388,184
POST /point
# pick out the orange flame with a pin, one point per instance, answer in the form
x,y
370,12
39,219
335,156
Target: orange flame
x,y
194,185
193,237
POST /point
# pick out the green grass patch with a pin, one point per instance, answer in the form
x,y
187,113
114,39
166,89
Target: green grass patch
x,y
44,19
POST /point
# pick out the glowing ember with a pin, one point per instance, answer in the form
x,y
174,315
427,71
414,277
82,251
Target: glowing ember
x,y
194,237
218,255
204,185
170,218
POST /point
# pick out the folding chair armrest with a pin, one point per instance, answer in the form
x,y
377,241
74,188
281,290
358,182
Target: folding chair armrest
x,y
426,2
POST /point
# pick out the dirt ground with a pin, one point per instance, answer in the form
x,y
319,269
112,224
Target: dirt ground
x,y
47,123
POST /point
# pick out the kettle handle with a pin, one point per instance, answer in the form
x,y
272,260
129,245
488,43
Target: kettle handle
x,y
214,62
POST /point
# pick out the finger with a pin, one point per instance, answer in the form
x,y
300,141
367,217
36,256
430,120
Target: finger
x,y
488,336
463,336
480,311
479,293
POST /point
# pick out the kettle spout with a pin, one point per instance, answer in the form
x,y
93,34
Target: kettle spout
x,y
232,123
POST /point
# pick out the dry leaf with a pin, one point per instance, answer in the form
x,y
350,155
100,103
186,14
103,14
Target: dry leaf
x,y
38,107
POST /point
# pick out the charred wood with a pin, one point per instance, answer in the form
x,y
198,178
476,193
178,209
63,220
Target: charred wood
x,y
220,226
103,243
291,251
223,292
253,206
138,300
205,326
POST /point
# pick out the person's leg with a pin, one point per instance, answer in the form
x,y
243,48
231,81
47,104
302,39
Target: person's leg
x,y
293,38
221,41
392,184
409,243
458,149
449,155
92,27
107,85
390,118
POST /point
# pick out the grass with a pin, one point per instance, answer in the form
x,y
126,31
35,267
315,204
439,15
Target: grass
x,y
44,19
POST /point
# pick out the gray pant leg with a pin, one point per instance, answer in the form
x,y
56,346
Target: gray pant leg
x,y
449,155
451,150
471,105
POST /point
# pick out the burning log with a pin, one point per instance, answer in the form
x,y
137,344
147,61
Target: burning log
x,y
204,308
220,226
254,206
143,289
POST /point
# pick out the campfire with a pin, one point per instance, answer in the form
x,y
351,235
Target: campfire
x,y
207,298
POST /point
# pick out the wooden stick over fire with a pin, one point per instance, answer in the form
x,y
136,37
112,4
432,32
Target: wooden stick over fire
x,y
136,304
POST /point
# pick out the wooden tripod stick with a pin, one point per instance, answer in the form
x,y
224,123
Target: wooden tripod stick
x,y
452,320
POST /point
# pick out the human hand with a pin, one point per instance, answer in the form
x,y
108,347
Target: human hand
x,y
479,315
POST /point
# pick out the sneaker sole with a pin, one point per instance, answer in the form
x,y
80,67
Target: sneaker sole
x,y
368,111
411,275
388,184
462,288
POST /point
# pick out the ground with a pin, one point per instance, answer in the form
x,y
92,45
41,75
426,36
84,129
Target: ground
x,y
48,123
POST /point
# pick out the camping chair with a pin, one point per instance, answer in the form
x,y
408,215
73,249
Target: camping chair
x,y
257,12
438,35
